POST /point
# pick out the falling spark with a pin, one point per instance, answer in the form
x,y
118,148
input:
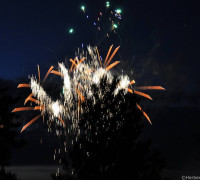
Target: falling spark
x,y
61,121
112,65
143,94
132,82
56,72
23,109
130,90
48,73
111,57
150,88
30,122
27,99
85,73
23,85
144,113
39,73
83,8
98,57
108,54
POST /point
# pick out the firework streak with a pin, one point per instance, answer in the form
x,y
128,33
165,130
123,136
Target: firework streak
x,y
78,82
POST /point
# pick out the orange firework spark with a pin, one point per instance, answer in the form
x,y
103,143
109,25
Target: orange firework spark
x,y
111,57
23,109
73,62
144,113
130,90
132,82
35,101
23,85
40,108
30,122
39,73
61,121
81,60
112,65
98,57
56,72
108,54
80,95
71,66
143,94
47,74
90,71
150,88
27,99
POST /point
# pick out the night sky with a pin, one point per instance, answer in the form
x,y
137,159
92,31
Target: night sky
x,y
36,32
159,41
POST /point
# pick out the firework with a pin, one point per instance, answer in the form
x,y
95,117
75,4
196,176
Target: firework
x,y
107,20
77,89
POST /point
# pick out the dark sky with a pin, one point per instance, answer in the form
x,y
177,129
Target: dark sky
x,y
36,32
161,37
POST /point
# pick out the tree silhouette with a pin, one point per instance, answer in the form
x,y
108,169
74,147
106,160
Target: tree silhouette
x,y
8,133
112,149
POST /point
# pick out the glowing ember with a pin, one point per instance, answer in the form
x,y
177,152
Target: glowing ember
x,y
78,88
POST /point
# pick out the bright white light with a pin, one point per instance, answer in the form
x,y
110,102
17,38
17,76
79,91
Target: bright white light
x,y
67,82
98,75
81,79
123,84
56,108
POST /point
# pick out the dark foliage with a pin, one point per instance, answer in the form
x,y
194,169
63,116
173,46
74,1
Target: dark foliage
x,y
8,133
112,149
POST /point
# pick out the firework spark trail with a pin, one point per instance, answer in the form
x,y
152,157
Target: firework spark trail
x,y
123,84
78,84
28,98
54,108
67,82
23,85
87,83
30,122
